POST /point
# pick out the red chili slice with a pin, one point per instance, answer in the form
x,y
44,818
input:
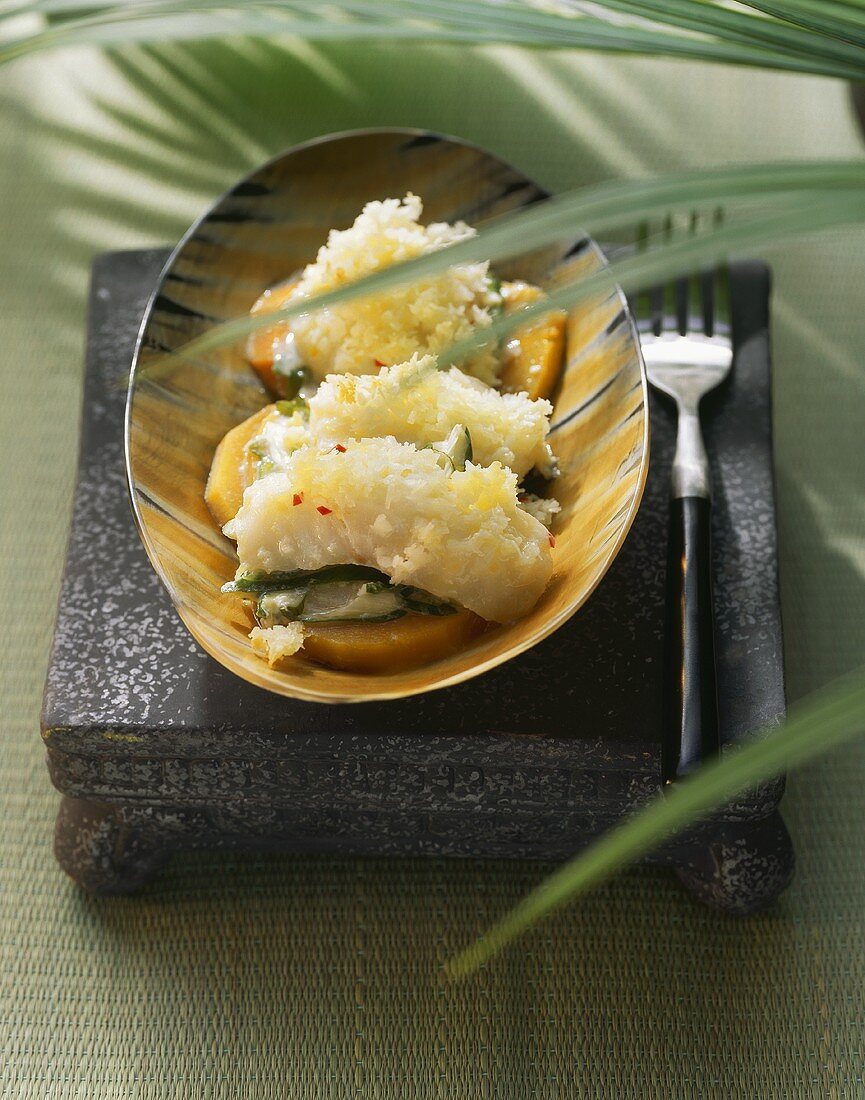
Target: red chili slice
x,y
339,447
323,511
378,362
297,499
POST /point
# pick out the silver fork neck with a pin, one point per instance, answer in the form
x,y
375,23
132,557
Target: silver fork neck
x,y
690,474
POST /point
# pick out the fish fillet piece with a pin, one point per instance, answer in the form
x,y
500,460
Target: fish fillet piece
x,y
417,403
428,315
461,536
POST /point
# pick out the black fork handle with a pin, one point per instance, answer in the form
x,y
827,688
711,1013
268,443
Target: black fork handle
x,y
691,729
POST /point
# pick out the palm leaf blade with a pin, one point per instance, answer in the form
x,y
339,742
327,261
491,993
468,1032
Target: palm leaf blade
x,y
815,726
820,16
736,37
830,193
781,32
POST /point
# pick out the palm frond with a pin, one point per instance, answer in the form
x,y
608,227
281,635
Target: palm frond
x,y
696,29
781,200
815,726
667,260
843,21
780,32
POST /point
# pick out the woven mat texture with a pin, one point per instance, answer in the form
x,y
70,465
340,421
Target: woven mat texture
x,y
272,978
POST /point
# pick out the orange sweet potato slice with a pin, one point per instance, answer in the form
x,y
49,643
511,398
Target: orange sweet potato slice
x,y
534,354
390,647
262,345
232,468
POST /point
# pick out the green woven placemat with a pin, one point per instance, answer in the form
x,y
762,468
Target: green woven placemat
x,y
260,977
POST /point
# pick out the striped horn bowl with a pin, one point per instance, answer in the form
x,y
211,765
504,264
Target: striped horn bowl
x,y
268,226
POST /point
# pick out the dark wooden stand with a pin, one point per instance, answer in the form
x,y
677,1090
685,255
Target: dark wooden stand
x,y
156,748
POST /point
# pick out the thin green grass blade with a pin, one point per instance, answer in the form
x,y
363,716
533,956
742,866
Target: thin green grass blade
x,y
818,724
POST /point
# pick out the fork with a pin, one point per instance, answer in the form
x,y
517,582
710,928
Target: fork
x,y
686,358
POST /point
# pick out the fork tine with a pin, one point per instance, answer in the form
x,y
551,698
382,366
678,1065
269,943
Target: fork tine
x,y
707,295
663,297
698,307
656,308
722,302
689,304
642,300
720,286
682,296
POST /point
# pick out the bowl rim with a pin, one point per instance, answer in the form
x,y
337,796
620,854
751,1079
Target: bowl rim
x,y
551,625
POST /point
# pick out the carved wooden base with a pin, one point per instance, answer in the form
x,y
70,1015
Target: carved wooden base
x,y
157,749
115,849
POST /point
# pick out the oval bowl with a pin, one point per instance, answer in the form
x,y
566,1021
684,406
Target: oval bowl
x,y
266,227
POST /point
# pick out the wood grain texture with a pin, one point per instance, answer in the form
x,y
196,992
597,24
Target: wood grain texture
x,y
268,226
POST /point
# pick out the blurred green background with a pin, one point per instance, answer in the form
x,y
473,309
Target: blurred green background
x,y
264,977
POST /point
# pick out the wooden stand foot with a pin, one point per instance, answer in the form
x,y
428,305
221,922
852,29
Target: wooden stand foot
x,y
743,868
100,850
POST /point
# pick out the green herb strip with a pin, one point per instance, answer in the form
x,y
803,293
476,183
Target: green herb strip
x,y
263,467
289,407
291,380
336,593
372,602
422,603
456,450
495,287
271,582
